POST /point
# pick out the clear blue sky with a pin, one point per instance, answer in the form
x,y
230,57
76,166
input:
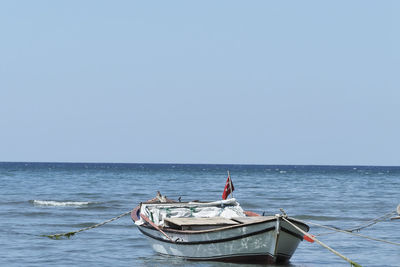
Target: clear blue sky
x,y
252,82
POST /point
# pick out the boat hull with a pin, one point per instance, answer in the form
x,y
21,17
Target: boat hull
x,y
271,240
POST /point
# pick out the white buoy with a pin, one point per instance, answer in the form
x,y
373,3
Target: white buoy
x,y
398,213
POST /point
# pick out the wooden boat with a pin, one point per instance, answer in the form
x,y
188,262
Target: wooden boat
x,y
218,230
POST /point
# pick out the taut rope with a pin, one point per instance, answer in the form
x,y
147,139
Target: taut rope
x,y
351,233
69,234
363,226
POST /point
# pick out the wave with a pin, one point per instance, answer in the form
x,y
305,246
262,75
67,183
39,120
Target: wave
x,y
54,203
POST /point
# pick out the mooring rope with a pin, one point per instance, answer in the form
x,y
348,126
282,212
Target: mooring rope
x,y
362,226
372,222
322,244
69,234
351,233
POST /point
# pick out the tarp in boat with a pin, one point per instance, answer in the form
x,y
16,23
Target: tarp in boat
x,y
224,208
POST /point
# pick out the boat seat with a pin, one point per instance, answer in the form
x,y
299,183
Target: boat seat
x,y
198,223
252,219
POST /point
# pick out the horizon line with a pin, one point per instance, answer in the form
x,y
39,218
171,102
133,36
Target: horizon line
x,y
165,163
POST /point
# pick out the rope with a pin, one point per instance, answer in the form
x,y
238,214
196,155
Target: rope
x,y
69,234
351,233
144,217
322,244
372,222
362,226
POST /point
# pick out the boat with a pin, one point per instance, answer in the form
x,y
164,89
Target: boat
x,y
216,231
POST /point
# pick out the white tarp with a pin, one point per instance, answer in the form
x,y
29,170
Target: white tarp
x,y
157,212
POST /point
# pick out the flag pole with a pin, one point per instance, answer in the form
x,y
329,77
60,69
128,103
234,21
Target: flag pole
x,y
230,183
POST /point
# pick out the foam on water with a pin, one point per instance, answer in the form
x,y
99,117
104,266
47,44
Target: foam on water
x,y
60,203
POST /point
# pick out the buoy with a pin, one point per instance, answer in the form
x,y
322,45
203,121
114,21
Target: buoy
x,y
309,239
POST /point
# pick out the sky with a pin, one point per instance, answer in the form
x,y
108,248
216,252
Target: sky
x,y
221,82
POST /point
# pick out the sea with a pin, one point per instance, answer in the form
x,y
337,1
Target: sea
x,y
38,199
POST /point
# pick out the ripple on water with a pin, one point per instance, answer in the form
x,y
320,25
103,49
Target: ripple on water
x,y
325,195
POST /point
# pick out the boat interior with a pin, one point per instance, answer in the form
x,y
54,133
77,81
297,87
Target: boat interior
x,y
167,214
197,224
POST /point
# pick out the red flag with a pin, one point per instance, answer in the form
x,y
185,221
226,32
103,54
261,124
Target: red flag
x,y
228,187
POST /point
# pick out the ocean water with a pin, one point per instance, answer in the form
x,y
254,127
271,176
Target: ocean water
x,y
48,198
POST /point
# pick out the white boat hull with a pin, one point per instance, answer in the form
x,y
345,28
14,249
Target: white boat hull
x,y
271,240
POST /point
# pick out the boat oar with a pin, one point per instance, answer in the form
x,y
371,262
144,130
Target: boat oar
x,y
144,217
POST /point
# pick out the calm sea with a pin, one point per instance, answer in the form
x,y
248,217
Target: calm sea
x,y
46,198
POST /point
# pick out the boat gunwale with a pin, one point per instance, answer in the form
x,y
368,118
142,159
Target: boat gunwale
x,y
218,229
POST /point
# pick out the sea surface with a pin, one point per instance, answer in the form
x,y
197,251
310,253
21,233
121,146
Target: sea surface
x,y
48,198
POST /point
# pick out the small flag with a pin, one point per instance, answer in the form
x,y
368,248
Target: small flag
x,y
228,187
